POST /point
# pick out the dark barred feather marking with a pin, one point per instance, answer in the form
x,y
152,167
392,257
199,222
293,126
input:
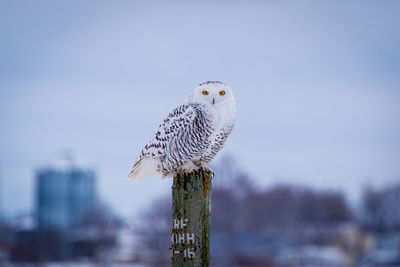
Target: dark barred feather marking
x,y
218,143
210,82
184,135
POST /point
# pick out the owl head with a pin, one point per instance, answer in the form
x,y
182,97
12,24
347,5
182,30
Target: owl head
x,y
211,93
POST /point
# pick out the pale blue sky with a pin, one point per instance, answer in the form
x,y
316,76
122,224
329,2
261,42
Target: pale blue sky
x,y
316,82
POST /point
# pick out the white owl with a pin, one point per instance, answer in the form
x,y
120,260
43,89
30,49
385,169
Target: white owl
x,y
191,135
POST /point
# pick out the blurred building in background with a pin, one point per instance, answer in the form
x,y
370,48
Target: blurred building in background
x,y
65,194
70,223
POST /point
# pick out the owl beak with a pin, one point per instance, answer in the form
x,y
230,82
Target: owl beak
x,y
213,101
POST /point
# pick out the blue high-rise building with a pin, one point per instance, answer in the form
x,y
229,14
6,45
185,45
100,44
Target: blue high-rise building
x,y
65,194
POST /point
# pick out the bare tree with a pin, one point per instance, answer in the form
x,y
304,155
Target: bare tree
x,y
381,212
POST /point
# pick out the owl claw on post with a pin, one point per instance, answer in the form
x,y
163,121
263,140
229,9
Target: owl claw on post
x,y
209,170
188,167
204,166
191,167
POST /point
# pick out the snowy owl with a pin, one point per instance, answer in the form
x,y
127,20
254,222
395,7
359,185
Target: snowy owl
x,y
191,135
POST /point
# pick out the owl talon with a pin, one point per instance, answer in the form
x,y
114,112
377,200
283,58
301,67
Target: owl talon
x,y
207,169
188,168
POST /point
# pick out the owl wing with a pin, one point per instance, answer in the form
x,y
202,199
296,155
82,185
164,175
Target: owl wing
x,y
218,141
182,136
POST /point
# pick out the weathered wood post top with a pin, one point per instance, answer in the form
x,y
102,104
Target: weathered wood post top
x,y
191,210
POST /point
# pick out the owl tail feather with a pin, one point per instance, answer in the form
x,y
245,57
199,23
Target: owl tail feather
x,y
145,167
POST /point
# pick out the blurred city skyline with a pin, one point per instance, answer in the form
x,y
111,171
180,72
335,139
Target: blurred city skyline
x,y
316,83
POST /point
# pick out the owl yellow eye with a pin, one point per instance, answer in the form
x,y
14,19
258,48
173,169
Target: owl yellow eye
x,y
221,92
205,92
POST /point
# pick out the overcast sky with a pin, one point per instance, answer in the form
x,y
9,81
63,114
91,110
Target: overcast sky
x,y
316,83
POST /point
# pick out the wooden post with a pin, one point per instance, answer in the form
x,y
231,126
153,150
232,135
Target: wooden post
x,y
191,213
